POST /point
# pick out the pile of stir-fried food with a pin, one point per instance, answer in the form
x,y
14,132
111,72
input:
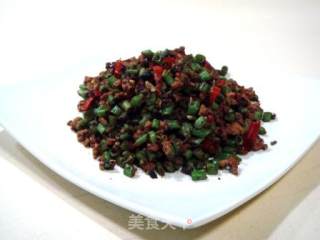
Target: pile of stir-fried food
x,y
166,111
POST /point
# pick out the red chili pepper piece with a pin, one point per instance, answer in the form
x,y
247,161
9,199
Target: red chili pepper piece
x,y
118,67
169,60
220,82
157,74
215,92
208,65
86,104
96,93
251,136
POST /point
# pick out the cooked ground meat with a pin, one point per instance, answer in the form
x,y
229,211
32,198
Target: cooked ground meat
x,y
168,110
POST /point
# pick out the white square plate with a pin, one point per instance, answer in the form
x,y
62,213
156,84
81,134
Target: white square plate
x,y
36,113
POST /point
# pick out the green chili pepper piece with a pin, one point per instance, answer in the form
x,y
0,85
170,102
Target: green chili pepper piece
x,y
83,91
199,58
173,124
101,111
126,105
193,107
267,116
129,170
212,168
204,87
257,115
155,123
141,140
196,67
200,133
200,122
167,110
132,72
204,75
136,100
106,156
147,53
197,175
111,80
262,131
116,110
186,129
153,136
167,78
100,128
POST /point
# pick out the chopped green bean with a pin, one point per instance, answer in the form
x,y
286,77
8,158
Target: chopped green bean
x,y
200,122
197,175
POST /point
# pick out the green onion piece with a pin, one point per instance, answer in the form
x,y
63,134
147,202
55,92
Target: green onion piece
x,y
126,105
262,131
167,110
100,128
153,136
141,140
197,175
155,123
116,110
167,78
129,170
212,168
101,111
193,107
111,80
200,122
136,100
267,116
199,58
204,75
201,133
173,124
